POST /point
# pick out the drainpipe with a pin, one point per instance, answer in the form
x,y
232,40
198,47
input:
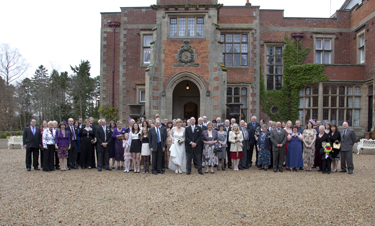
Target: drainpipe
x,y
113,25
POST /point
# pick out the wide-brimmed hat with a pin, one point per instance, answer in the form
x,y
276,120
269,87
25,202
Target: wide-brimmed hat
x,y
61,123
220,124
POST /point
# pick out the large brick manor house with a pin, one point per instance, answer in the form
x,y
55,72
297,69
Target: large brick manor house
x,y
165,59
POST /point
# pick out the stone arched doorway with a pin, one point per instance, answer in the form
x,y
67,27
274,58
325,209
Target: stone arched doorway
x,y
198,95
185,100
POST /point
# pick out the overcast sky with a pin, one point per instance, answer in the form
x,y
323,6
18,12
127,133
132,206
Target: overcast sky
x,y
62,33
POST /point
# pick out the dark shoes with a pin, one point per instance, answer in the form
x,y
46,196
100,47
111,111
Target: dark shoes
x,y
200,172
108,169
281,170
350,171
342,171
99,169
28,169
275,170
154,172
36,168
188,172
73,167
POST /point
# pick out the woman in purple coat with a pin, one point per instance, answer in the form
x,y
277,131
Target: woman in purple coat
x,y
264,146
118,135
62,144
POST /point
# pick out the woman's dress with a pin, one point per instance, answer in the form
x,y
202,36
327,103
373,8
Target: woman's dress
x,y
145,147
87,148
294,154
318,146
119,150
126,146
112,150
264,155
209,158
62,139
178,152
309,135
335,154
135,144
222,138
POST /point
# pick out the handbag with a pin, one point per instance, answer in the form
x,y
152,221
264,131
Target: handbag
x,y
217,148
336,145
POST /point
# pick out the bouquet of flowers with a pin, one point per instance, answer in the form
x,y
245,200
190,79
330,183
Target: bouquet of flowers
x,y
180,140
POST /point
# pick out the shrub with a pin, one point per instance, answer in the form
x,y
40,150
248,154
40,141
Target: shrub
x,y
18,134
7,134
3,136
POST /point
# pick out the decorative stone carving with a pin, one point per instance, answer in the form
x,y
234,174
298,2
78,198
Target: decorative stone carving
x,y
186,56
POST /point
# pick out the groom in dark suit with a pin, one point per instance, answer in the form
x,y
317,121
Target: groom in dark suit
x,y
193,136
103,136
157,138
32,141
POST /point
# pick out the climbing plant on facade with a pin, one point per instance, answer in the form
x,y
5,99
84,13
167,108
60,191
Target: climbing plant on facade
x,y
296,76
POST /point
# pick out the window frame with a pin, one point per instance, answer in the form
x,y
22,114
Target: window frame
x,y
361,48
310,109
139,89
266,74
142,47
346,110
240,86
224,54
186,16
324,37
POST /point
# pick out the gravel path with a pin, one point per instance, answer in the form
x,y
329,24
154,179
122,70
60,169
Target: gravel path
x,y
89,197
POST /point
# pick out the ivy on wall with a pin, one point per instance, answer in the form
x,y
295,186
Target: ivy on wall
x,y
296,76
108,112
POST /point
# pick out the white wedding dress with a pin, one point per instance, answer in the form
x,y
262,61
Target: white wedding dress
x,y
178,154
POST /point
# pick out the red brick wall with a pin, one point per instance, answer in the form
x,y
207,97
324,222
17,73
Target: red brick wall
x,y
362,12
177,2
241,74
140,15
201,50
339,72
275,18
109,58
237,15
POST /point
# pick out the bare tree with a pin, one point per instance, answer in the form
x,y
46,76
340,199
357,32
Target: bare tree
x,y
12,64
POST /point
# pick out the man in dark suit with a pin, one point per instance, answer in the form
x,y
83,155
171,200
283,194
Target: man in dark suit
x,y
103,136
157,138
348,138
163,126
203,127
32,142
73,151
228,129
193,142
278,139
245,145
253,127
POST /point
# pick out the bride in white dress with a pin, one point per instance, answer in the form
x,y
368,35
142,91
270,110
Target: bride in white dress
x,y
177,159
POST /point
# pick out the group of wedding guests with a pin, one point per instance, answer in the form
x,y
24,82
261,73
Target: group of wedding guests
x,y
176,144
